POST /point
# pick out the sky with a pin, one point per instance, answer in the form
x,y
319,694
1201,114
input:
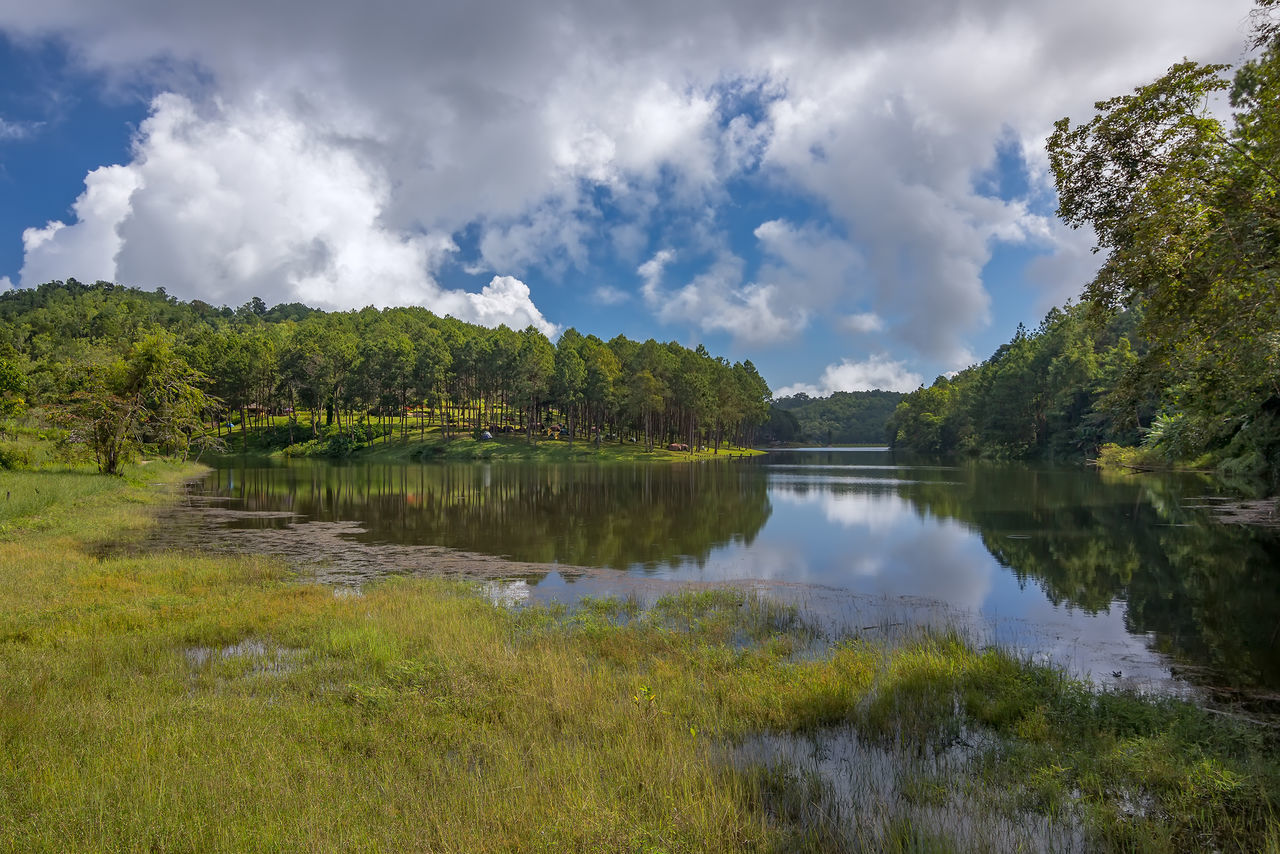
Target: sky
x,y
851,194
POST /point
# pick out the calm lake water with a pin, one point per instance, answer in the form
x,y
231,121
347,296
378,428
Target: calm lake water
x,y
1121,578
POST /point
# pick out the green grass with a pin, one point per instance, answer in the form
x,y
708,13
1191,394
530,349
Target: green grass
x,y
30,446
547,450
373,441
183,702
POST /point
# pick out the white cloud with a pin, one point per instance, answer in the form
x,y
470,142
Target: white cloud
x,y
717,300
503,300
878,372
10,130
609,295
234,204
87,249
1059,275
552,236
650,273
805,271
862,323
5,283
815,268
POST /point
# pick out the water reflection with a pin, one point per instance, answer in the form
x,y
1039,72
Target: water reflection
x,y
621,517
1103,574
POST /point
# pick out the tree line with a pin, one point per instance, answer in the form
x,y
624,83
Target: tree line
x,y
841,418
69,346
1176,345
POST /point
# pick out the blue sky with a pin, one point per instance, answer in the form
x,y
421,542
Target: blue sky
x,y
852,195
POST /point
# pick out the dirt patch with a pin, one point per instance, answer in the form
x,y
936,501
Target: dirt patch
x,y
328,552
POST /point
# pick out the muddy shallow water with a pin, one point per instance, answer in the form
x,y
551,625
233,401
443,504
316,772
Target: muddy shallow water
x,y
1125,580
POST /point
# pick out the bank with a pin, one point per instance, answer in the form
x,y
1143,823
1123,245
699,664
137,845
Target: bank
x,y
388,444
183,701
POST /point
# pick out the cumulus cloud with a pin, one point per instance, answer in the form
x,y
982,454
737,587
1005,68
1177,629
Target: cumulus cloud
x,y
88,248
805,270
650,273
877,372
240,203
503,300
718,300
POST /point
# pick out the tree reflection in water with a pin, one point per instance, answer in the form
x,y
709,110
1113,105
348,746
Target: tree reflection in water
x,y
1206,593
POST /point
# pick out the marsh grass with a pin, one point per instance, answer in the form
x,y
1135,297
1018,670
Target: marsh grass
x,y
186,702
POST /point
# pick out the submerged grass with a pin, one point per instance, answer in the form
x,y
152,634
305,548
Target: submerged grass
x,y
184,702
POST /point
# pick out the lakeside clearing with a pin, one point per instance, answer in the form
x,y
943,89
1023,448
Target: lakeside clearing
x,y
387,443
194,702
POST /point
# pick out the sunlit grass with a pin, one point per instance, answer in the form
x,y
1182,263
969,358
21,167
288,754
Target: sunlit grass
x,y
184,702
385,442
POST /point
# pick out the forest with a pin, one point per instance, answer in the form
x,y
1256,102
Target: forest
x,y
1175,345
116,366
841,418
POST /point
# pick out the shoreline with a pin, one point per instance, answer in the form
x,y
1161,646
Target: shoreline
x,y
462,448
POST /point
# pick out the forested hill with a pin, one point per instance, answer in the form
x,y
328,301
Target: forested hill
x,y
1177,345
68,347
844,418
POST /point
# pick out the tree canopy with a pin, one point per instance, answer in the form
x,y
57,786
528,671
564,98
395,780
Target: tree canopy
x,y
841,418
66,345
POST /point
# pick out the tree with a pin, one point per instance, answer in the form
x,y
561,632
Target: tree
x,y
534,366
149,394
13,387
570,377
1188,212
600,388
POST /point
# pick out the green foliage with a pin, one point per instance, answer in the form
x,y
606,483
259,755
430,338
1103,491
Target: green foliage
x,y
403,367
150,395
843,418
1186,210
13,388
782,426
1048,392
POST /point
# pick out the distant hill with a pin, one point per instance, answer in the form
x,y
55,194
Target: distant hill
x,y
844,418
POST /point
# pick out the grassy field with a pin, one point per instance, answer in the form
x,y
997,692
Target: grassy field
x,y
178,702
369,441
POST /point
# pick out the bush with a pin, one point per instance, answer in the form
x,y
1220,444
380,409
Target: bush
x,y
14,457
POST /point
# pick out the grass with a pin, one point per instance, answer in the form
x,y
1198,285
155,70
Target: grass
x,y
547,450
185,702
31,445
464,448
373,441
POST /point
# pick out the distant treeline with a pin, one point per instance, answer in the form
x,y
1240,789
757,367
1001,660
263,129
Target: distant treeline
x,y
1178,344
844,418
403,367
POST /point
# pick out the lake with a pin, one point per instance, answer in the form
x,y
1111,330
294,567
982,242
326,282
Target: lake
x,y
1121,578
